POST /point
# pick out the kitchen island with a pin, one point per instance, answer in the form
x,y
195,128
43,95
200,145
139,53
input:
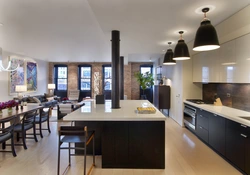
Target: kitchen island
x,y
124,138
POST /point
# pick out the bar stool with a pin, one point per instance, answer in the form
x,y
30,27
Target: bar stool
x,y
75,134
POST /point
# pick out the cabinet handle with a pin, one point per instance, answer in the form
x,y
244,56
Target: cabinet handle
x,y
201,116
215,115
200,127
243,135
200,109
244,126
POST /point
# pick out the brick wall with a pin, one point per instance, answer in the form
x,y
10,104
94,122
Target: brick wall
x,y
131,87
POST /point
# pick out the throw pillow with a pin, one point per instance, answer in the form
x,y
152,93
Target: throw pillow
x,y
50,98
36,100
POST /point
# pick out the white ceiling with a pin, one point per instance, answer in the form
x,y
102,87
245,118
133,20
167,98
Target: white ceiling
x,y
80,30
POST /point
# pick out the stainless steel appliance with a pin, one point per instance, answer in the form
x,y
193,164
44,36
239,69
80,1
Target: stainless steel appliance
x,y
189,116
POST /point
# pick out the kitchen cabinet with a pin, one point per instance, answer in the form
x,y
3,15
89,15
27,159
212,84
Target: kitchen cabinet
x,y
202,125
236,139
217,131
227,62
242,72
162,97
205,67
247,162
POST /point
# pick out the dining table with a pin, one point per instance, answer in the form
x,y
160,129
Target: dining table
x,y
14,114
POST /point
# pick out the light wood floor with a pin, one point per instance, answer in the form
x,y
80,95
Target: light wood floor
x,y
185,155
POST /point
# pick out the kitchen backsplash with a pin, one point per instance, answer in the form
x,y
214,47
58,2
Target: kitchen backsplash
x,y
231,95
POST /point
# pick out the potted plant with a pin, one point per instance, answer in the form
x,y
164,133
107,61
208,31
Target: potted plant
x,y
145,80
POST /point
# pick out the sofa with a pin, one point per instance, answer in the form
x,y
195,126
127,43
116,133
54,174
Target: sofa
x,y
45,100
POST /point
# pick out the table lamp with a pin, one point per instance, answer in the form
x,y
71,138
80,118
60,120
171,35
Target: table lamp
x,y
20,89
51,87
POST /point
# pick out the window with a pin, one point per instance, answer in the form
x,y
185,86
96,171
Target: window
x,y
85,77
107,79
146,68
61,77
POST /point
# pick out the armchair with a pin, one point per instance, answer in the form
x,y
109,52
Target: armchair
x,y
73,95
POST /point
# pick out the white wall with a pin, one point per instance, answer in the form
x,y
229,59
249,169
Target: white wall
x,y
42,77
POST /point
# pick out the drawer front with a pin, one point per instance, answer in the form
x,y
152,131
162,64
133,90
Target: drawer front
x,y
202,133
242,129
202,120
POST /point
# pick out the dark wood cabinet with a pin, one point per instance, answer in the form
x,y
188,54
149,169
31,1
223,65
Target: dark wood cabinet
x,y
162,97
236,139
247,160
217,133
202,125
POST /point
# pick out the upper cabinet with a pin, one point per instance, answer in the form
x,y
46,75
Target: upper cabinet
x,y
205,67
242,49
228,64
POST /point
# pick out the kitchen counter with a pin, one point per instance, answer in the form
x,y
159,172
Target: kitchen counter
x,y
224,111
103,112
124,138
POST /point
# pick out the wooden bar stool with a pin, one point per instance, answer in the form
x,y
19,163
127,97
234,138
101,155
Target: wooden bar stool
x,y
75,134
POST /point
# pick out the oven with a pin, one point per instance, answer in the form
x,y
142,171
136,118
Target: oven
x,y
189,116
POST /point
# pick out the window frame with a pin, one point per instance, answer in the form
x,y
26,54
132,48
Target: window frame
x,y
56,76
151,71
103,77
79,77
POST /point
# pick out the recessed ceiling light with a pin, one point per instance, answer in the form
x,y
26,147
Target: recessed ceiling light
x,y
1,24
199,9
177,32
163,50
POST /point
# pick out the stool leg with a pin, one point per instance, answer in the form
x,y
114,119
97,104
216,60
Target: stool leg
x,y
58,161
69,156
85,158
93,140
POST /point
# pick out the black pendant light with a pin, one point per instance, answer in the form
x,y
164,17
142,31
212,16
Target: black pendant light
x,y
206,36
168,58
181,50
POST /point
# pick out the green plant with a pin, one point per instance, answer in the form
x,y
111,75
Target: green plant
x,y
145,80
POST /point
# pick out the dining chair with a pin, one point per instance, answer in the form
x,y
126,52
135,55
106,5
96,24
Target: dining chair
x,y
27,122
42,117
6,133
75,134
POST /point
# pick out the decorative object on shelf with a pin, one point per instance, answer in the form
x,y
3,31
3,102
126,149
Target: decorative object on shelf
x,y
9,67
168,58
145,80
51,87
206,36
181,50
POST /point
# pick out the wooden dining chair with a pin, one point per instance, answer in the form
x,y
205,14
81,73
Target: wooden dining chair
x,y
26,123
75,134
6,133
41,118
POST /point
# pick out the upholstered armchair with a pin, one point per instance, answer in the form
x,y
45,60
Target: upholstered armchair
x,y
73,95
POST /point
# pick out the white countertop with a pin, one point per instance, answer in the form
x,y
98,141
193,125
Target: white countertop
x,y
103,112
224,111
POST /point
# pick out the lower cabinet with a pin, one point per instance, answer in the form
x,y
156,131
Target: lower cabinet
x,y
217,133
228,138
236,144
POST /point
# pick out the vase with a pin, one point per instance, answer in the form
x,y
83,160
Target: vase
x,y
100,99
9,109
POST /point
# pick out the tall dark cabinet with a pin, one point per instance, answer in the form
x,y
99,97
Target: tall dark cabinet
x,y
162,97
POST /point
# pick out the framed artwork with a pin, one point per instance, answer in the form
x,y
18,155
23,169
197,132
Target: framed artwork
x,y
31,76
16,77
26,74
